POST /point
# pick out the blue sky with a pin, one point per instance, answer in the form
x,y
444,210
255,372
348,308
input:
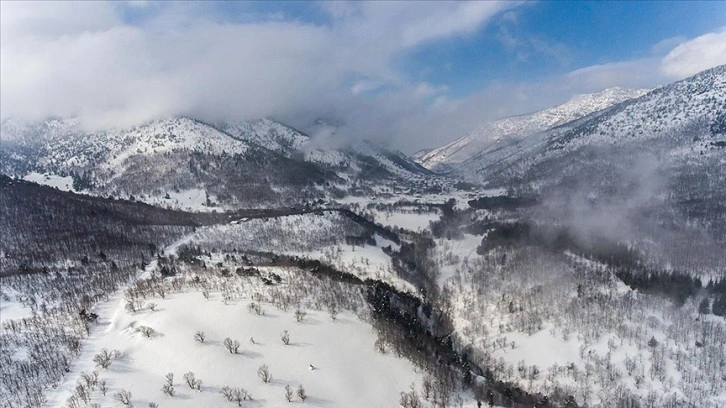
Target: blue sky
x,y
547,38
413,74
534,40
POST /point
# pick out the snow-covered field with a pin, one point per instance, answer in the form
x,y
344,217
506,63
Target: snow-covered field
x,y
409,221
51,180
11,309
348,372
193,199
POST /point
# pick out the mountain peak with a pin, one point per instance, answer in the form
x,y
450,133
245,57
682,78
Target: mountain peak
x,y
515,127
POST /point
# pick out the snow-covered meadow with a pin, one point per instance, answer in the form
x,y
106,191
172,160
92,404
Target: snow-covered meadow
x,y
347,370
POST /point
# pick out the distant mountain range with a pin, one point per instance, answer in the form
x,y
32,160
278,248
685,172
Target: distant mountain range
x,y
644,169
185,163
504,130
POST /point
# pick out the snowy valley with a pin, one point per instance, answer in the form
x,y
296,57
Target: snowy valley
x,y
184,264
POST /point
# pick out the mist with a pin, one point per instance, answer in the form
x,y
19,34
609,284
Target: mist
x,y
94,62
624,197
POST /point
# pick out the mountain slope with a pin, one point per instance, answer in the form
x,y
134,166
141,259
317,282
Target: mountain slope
x,y
684,120
184,163
515,127
648,170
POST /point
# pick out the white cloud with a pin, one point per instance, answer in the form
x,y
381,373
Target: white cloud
x,y
454,19
629,74
402,24
698,54
425,90
84,60
52,19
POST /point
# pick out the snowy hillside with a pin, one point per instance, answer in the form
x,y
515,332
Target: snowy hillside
x,y
513,128
187,164
64,145
268,134
347,371
682,119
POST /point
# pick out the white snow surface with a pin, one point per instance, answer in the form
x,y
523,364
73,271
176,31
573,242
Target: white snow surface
x,y
269,134
51,180
348,372
490,133
11,308
193,199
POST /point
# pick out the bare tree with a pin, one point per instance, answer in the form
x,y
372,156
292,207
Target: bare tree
x,y
130,306
90,380
255,308
147,331
226,393
192,381
103,358
285,337
199,336
301,393
410,399
333,310
124,397
153,405
168,386
102,387
231,345
427,386
83,393
288,393
72,402
152,306
264,373
380,345
300,315
236,394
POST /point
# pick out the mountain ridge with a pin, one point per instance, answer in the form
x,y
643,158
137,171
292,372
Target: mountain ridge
x,y
233,164
513,127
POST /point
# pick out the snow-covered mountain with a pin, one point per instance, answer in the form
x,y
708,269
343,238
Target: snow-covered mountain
x,y
185,163
515,127
625,170
683,123
268,134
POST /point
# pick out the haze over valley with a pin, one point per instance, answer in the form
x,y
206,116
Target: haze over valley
x,y
363,204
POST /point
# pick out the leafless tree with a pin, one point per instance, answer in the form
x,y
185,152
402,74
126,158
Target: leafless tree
x,y
427,386
124,397
103,358
90,380
147,331
288,393
168,386
231,345
380,345
255,308
264,373
333,310
301,393
300,315
285,337
410,399
236,394
199,336
82,392
193,382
